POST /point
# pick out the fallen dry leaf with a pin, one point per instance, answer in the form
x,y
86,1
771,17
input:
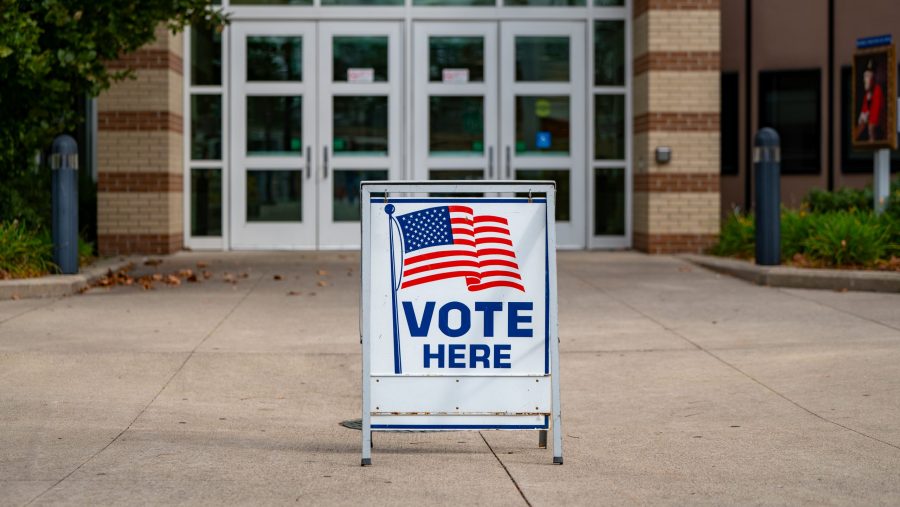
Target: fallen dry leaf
x,y
185,273
323,283
202,265
157,277
277,277
229,278
153,262
322,272
14,297
173,280
207,275
192,278
244,275
293,293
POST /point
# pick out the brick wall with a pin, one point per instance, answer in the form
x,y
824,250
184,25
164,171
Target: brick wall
x,y
676,104
140,153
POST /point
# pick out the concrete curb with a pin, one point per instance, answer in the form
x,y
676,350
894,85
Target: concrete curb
x,y
60,285
800,278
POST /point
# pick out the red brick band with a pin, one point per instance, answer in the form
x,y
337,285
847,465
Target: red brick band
x,y
642,6
676,122
676,182
148,59
139,182
139,121
677,61
673,243
126,244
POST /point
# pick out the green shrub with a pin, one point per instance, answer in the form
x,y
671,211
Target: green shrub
x,y
795,227
737,238
846,238
24,252
845,199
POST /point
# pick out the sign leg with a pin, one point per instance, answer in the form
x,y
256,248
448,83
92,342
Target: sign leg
x,y
542,439
882,182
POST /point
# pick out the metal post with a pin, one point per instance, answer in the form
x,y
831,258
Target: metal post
x,y
882,186
767,179
542,439
64,165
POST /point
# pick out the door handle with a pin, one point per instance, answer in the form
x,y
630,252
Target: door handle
x,y
490,162
324,162
308,162
508,163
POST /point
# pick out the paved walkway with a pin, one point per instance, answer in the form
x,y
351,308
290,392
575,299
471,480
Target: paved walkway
x,y
679,387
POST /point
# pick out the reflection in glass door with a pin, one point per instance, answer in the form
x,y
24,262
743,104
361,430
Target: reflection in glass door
x,y
359,121
542,115
273,194
455,101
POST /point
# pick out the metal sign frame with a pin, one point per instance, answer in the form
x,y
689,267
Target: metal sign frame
x,y
402,191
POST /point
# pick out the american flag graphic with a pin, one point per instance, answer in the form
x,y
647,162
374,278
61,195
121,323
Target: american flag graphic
x,y
451,241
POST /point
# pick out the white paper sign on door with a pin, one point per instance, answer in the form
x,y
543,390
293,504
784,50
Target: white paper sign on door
x,y
455,76
360,75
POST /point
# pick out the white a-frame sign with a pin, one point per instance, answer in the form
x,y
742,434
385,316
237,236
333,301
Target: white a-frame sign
x,y
459,308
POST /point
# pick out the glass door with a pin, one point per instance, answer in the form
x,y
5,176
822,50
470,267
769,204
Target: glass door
x,y
359,121
455,108
542,111
273,136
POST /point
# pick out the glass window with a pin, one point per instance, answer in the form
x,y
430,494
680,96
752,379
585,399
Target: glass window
x,y
609,127
456,174
206,127
271,2
360,53
345,192
789,102
362,2
274,58
543,3
274,196
609,3
360,126
455,3
609,202
728,141
206,202
542,58
563,191
274,126
609,53
456,53
456,125
542,125
206,57
857,161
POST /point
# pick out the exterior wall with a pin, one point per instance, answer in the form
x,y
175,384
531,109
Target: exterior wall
x,y
140,153
676,104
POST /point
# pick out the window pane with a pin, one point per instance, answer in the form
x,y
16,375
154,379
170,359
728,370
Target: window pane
x,y
544,3
609,202
360,53
271,2
456,125
345,193
561,177
609,53
206,57
274,58
609,127
274,126
206,127
460,3
274,196
542,58
360,126
542,125
609,3
362,2
455,53
728,143
206,202
789,103
455,174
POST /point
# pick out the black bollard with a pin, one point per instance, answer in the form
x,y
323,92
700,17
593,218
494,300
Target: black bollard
x,y
64,166
767,169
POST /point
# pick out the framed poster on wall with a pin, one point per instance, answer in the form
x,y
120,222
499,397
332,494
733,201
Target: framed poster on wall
x,y
874,89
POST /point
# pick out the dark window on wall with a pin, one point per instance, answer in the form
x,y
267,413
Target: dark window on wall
x,y
856,161
728,137
790,102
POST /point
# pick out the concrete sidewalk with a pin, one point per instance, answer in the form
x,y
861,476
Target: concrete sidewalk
x,y
680,386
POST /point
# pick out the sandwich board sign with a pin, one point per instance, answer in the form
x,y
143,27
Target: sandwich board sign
x,y
459,311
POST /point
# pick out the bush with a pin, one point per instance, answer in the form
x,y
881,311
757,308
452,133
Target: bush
x,y
23,252
847,238
845,199
738,237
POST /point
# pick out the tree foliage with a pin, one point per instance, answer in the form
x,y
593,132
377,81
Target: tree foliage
x,y
52,55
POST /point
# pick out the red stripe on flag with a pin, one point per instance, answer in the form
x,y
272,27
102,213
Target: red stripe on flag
x,y
498,262
498,283
501,241
439,276
491,218
467,232
437,255
496,251
463,241
487,228
460,209
509,274
463,221
439,265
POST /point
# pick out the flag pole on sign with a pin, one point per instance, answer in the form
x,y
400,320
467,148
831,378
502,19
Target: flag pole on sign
x,y
389,209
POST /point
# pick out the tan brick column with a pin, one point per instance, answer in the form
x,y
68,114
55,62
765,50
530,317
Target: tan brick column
x,y
676,104
139,153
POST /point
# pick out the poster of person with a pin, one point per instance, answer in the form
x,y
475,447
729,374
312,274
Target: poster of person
x,y
874,98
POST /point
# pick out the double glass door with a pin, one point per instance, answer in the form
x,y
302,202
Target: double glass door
x,y
315,110
504,100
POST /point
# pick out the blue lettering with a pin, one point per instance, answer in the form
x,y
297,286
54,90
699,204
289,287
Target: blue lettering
x,y
483,357
429,356
515,319
499,356
465,319
416,328
457,355
489,309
